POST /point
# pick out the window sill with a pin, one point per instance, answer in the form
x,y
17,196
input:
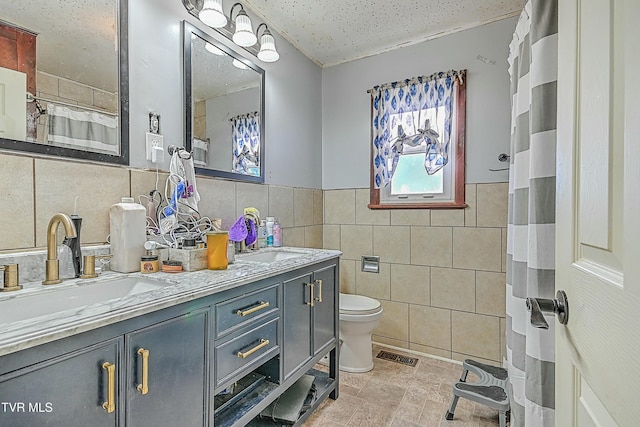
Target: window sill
x,y
432,205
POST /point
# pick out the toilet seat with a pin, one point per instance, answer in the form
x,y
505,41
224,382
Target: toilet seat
x,y
358,305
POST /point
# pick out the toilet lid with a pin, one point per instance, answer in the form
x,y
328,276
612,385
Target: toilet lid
x,y
358,304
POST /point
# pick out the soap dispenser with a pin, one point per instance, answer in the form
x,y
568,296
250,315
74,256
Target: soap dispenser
x,y
74,242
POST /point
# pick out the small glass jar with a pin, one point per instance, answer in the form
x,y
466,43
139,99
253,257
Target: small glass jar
x,y
217,243
149,264
231,252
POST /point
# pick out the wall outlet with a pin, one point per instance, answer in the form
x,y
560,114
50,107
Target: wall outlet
x,y
153,140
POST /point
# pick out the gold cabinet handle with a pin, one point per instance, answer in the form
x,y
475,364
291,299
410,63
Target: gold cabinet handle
x,y
110,404
319,282
261,305
144,387
312,299
263,343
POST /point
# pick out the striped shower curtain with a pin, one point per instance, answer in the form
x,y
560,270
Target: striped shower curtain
x,y
531,224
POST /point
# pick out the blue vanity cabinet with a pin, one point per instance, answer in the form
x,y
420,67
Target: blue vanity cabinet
x,y
325,308
91,379
68,390
220,359
310,316
166,376
297,322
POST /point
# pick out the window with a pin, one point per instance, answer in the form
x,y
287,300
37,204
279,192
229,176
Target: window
x,y
417,155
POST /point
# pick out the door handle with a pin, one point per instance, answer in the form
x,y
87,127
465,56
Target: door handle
x,y
263,343
312,300
319,297
110,404
144,386
261,305
559,305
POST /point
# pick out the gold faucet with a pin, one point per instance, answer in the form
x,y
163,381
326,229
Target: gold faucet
x,y
10,278
52,271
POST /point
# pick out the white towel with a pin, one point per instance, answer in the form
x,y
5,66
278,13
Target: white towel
x,y
182,170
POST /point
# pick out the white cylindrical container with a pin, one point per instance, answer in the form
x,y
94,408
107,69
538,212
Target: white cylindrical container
x,y
270,221
127,227
277,234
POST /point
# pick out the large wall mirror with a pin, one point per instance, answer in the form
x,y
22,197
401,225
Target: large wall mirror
x,y
224,106
64,78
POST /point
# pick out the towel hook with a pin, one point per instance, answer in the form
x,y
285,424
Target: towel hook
x,y
502,157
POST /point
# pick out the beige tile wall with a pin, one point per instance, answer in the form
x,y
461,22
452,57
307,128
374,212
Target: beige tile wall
x,y
441,281
34,189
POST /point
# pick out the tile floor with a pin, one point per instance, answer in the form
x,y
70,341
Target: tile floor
x,y
396,395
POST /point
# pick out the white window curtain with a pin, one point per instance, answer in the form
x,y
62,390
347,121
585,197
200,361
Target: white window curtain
x,y
245,136
82,129
531,221
398,105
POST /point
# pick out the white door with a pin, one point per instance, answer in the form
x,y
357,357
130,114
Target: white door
x,y
13,104
598,213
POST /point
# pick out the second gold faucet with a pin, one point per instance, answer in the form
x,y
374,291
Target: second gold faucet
x,y
52,274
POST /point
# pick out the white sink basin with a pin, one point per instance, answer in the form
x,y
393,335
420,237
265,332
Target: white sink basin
x,y
87,293
270,256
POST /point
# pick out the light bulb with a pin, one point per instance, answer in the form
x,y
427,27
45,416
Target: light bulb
x,y
268,52
239,64
212,14
244,33
212,49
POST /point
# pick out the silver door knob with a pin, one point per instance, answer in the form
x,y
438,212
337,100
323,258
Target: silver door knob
x,y
559,305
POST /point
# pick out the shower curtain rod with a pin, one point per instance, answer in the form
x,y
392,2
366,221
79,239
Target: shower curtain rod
x,y
31,98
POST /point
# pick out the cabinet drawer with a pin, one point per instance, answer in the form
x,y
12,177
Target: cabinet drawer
x,y
237,312
250,348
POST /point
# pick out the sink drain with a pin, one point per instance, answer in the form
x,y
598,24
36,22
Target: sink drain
x,y
398,358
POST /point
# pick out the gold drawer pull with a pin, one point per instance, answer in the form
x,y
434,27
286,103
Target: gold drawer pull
x,y
319,282
144,387
263,343
110,404
261,305
312,299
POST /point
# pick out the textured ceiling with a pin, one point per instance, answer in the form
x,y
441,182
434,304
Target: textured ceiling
x,y
331,32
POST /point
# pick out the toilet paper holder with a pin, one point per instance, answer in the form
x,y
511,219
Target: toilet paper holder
x,y
370,264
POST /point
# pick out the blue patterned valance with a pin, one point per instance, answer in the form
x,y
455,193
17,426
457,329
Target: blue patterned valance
x,y
399,104
245,135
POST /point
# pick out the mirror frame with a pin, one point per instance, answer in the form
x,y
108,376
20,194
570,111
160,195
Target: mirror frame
x,y
189,29
123,111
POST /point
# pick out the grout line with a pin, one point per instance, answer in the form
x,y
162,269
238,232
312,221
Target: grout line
x,y
35,201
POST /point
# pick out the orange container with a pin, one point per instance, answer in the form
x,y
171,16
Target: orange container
x,y
217,242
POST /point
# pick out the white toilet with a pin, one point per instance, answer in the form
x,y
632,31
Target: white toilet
x,y
359,316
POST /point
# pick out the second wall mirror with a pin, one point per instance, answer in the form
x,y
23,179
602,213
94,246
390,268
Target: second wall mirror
x,y
224,109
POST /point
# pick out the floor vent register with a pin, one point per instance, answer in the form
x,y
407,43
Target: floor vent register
x,y
398,358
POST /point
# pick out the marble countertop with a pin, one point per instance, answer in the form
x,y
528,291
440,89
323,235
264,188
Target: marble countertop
x,y
182,287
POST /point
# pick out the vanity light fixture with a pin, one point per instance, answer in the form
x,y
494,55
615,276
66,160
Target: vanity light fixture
x,y
268,52
243,35
212,14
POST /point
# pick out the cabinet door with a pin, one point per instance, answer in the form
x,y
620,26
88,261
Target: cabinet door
x,y
69,390
324,309
166,386
297,322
